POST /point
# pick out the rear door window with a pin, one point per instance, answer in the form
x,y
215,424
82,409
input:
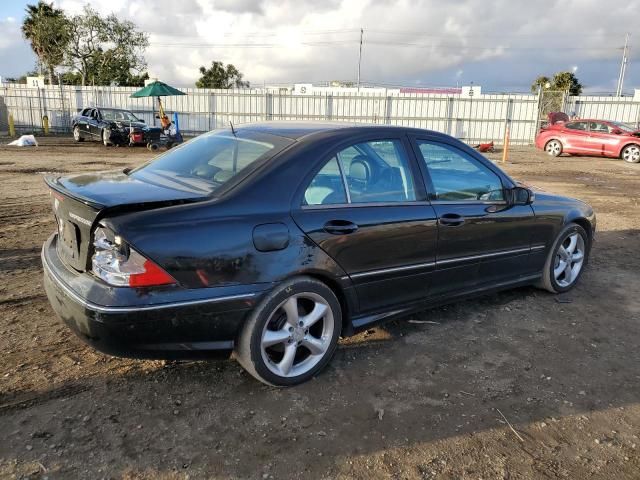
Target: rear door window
x,y
377,171
577,126
327,187
599,127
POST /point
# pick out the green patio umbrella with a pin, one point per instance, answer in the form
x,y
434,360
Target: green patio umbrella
x,y
158,89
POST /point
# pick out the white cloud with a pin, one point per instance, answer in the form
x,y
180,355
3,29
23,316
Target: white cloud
x,y
405,41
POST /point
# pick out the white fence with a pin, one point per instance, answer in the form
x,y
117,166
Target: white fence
x,y
472,119
621,109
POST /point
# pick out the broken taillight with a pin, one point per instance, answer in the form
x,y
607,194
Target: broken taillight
x,y
115,262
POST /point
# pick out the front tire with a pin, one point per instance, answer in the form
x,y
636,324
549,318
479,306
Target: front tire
x,y
292,333
77,136
106,137
566,260
553,148
631,153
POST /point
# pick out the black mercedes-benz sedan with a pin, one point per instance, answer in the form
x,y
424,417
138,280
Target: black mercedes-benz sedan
x,y
273,240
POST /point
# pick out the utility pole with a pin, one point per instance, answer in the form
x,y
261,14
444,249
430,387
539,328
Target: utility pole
x,y
623,65
360,57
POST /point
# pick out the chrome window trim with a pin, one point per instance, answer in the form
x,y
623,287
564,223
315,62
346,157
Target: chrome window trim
x,y
469,202
363,205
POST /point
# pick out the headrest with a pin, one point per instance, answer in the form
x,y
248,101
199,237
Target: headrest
x,y
359,168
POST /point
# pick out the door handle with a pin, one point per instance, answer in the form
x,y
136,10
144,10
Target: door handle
x,y
451,220
340,227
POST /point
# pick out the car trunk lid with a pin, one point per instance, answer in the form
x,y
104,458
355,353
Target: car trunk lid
x,y
557,117
79,201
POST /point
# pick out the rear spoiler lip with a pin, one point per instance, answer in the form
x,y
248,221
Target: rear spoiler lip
x,y
102,208
52,183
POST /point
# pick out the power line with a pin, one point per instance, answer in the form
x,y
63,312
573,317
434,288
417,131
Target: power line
x,y
329,43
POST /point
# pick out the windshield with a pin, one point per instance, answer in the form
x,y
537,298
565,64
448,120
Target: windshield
x,y
623,126
119,115
211,160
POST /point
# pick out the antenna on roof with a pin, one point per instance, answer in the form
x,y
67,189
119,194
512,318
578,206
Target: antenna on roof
x,y
233,130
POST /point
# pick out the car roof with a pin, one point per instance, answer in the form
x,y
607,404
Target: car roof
x,y
108,108
295,130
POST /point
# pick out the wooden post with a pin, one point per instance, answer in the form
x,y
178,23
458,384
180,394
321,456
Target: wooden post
x,y
12,126
45,124
505,148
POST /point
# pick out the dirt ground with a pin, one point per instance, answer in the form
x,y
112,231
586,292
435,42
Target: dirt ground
x,y
418,399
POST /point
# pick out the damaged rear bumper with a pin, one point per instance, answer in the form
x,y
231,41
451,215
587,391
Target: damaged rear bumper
x,y
167,323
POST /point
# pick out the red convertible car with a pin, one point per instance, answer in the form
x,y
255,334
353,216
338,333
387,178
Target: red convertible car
x,y
589,137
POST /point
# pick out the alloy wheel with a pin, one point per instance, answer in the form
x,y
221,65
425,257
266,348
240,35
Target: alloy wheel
x,y
297,335
76,134
553,148
631,154
569,260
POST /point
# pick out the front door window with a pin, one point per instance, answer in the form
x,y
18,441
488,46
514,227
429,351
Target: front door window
x,y
456,176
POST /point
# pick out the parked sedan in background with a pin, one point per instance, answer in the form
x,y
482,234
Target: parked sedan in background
x,y
112,126
273,240
590,137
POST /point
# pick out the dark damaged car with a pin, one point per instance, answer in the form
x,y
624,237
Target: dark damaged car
x,y
113,126
273,240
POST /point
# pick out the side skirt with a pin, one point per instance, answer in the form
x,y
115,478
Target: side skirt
x,y
360,323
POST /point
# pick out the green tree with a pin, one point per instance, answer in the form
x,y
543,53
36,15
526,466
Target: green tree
x,y
541,82
48,30
219,76
105,50
561,81
568,82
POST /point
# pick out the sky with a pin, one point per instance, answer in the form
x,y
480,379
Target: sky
x,y
499,44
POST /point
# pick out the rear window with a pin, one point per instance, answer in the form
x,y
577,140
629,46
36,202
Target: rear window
x,y
212,160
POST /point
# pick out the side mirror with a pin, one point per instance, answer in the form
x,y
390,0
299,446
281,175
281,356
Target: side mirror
x,y
616,131
522,196
141,120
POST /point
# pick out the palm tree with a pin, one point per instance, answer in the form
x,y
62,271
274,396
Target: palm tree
x,y
47,28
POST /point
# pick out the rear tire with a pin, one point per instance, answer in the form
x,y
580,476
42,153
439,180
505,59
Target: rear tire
x,y
631,153
291,334
566,260
553,148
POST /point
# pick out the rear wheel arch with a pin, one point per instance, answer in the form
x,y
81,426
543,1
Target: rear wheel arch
x,y
346,304
250,346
